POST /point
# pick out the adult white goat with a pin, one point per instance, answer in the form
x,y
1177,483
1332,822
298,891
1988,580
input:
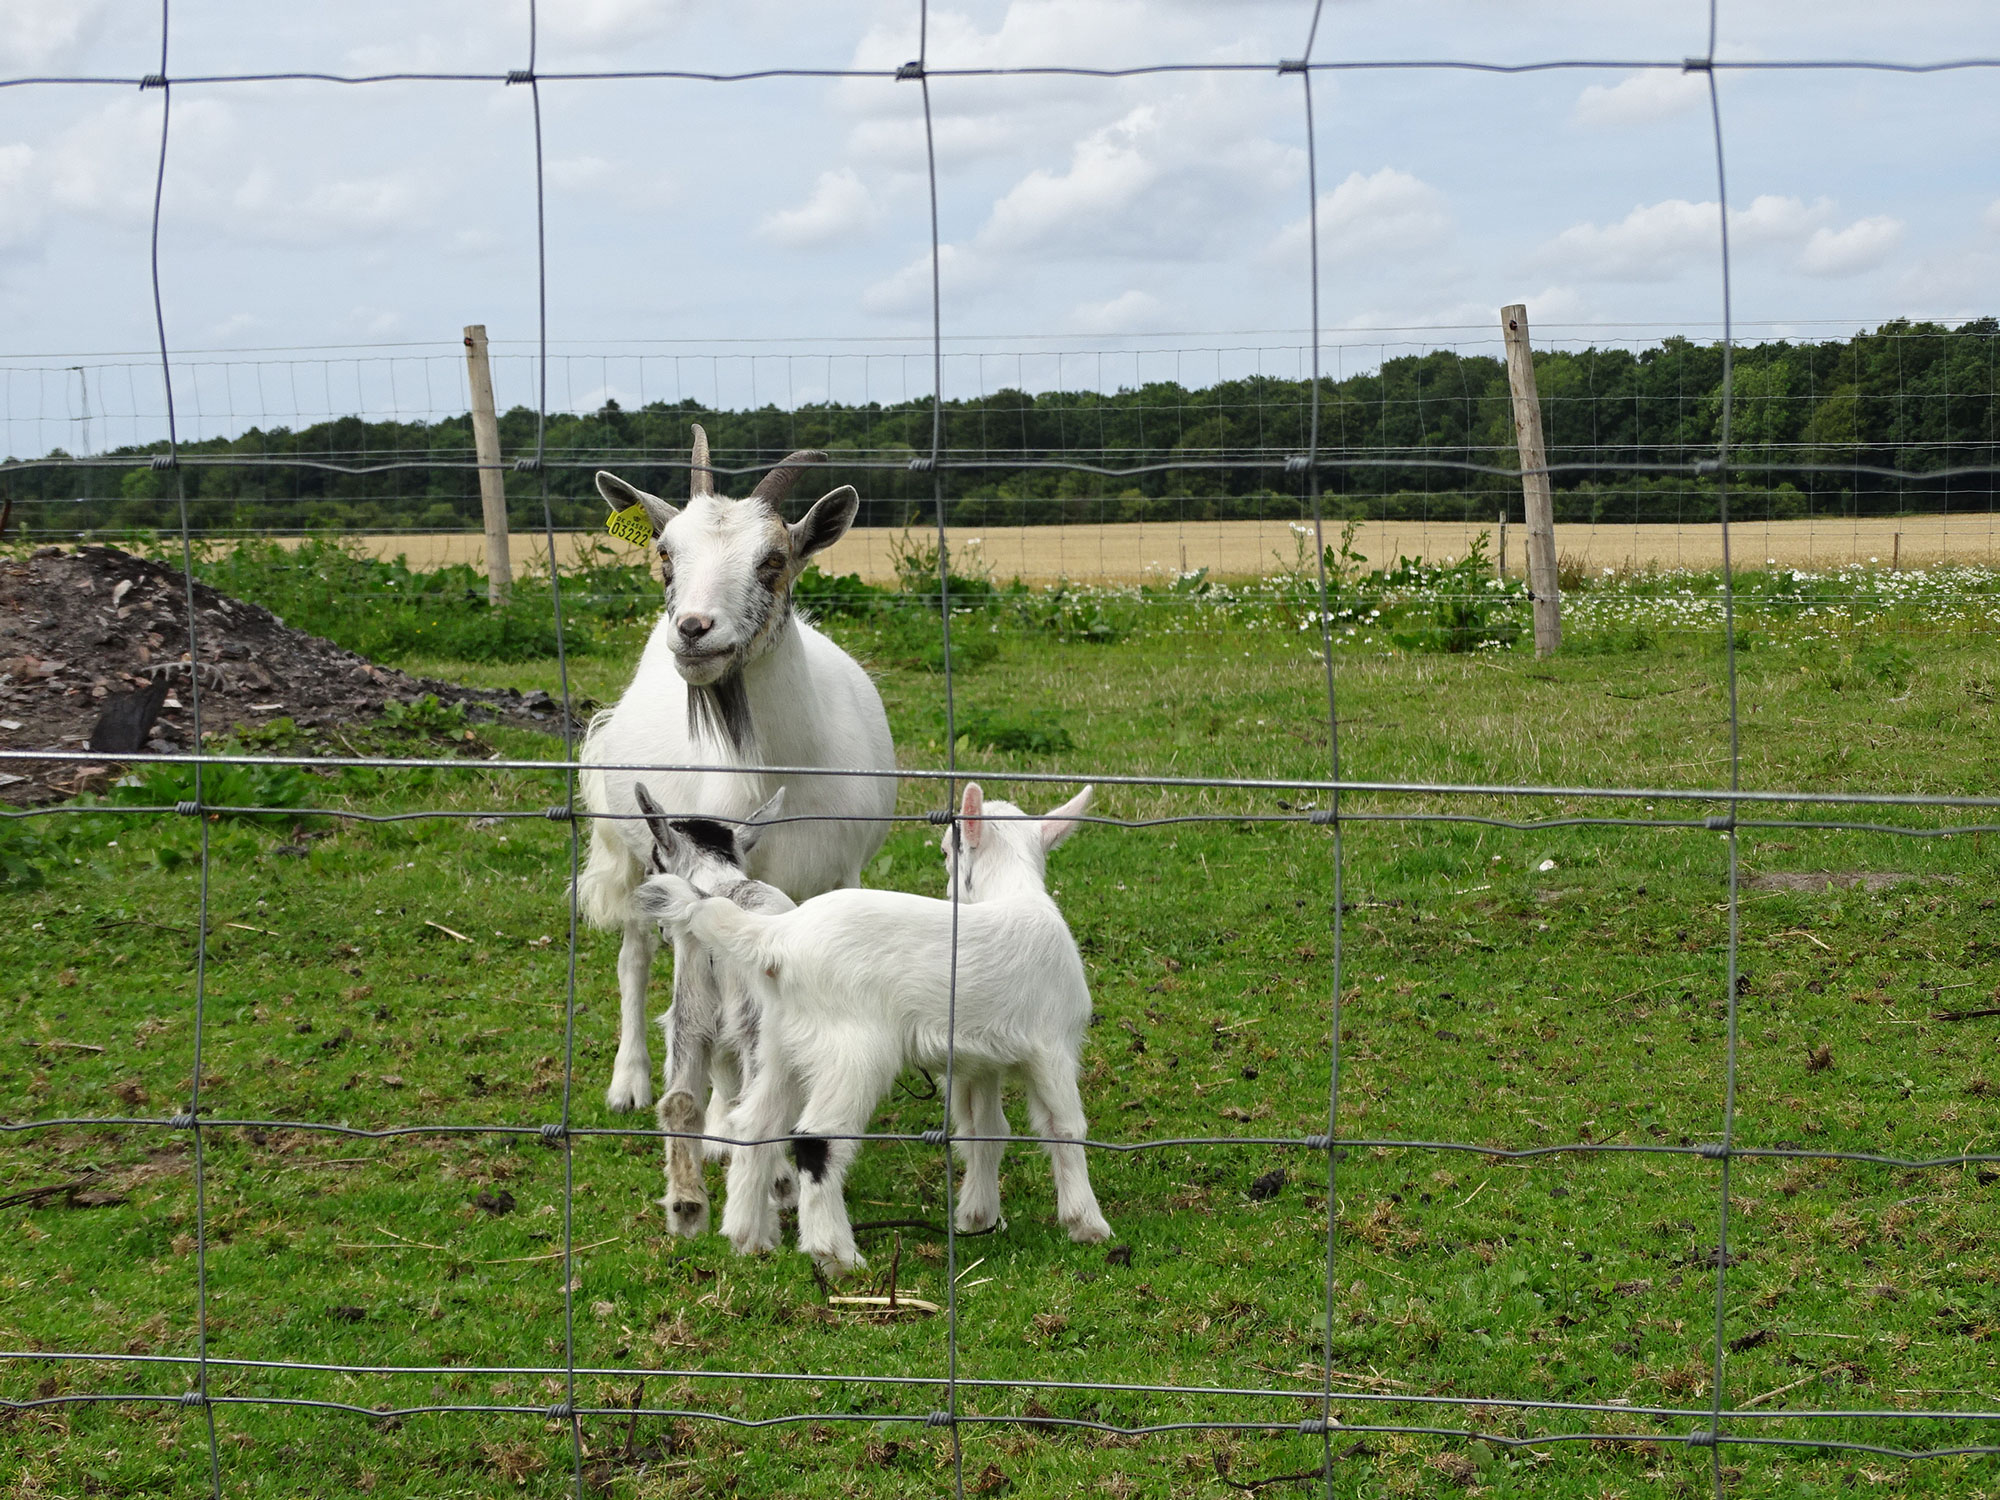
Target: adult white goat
x,y
731,676
857,985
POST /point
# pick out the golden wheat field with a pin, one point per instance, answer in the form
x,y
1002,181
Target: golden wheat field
x,y
1135,552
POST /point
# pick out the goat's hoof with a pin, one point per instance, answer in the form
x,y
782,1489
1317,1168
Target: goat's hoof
x,y
1089,1231
838,1262
974,1221
624,1096
687,1216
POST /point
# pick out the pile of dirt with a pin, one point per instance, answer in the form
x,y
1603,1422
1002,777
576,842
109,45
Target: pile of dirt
x,y
79,628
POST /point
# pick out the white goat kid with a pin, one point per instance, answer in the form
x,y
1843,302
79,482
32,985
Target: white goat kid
x,y
858,985
731,677
713,1031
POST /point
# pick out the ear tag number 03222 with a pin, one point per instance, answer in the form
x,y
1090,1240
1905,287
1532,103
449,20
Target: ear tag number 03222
x,y
632,525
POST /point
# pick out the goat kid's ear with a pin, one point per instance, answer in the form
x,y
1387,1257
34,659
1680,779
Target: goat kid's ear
x,y
1058,823
826,523
970,808
622,496
661,858
751,833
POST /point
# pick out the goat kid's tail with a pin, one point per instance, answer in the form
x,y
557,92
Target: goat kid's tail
x,y
745,938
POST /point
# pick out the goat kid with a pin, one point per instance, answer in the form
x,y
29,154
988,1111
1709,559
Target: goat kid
x,y
730,678
712,1031
857,985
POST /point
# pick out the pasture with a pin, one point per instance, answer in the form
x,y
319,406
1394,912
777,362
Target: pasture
x,y
1500,988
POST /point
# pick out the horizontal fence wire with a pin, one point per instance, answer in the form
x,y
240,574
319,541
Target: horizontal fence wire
x,y
1716,1425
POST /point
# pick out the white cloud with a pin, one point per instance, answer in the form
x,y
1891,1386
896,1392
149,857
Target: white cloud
x,y
1659,241
609,23
577,174
20,213
1132,311
1654,242
840,205
1861,246
266,205
909,290
1990,220
37,33
1639,99
1387,212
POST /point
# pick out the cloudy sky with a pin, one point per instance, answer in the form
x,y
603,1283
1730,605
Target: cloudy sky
x,y
1165,212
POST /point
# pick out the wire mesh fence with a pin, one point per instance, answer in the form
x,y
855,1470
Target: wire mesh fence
x,y
1306,464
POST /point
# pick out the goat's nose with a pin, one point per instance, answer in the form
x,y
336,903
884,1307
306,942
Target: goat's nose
x,y
694,627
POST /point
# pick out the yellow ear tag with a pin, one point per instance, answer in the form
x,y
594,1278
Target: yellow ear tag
x,y
632,525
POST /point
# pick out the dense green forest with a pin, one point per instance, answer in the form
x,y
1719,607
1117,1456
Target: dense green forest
x,y
1912,396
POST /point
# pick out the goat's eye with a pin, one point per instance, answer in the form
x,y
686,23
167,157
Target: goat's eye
x,y
774,562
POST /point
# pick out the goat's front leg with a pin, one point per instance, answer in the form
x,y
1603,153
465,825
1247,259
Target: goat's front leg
x,y
1055,1110
690,1046
632,1071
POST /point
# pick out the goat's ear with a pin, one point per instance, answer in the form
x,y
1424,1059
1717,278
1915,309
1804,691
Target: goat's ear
x,y
622,496
1058,823
661,858
751,833
970,808
826,523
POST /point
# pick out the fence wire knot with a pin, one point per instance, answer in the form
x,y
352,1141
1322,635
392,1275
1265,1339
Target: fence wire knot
x,y
153,81
188,809
1291,65
185,1120
553,1132
1703,1439
922,464
908,71
1720,822
940,1419
1326,817
520,75
940,818
1316,1427
560,814
934,1137
165,461
527,466
1698,65
1317,1142
1297,463
1708,466
1713,1150
562,1411
193,1398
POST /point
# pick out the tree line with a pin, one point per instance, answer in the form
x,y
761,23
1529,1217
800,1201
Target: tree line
x,y
1624,428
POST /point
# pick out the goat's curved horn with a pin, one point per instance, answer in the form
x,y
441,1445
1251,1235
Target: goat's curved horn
x,y
701,480
777,484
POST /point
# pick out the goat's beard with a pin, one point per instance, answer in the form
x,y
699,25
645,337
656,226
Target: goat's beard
x,y
720,712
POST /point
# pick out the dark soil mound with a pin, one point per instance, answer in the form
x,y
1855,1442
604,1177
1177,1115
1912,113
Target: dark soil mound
x,y
81,629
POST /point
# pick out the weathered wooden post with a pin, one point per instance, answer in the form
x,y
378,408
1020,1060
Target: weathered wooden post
x,y
1535,495
492,480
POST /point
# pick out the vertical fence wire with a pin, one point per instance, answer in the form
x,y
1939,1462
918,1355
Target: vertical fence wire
x,y
952,833
1730,835
192,1117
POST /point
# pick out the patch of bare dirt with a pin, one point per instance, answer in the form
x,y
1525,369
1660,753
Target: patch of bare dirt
x,y
1827,880
80,628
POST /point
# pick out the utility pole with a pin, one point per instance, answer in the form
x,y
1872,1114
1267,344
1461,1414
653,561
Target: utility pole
x,y
1535,495
492,479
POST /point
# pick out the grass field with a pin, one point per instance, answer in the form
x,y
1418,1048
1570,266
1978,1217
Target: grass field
x,y
1499,989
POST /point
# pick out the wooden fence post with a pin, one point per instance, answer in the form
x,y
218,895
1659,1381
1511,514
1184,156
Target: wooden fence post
x,y
1538,502
492,480
1500,563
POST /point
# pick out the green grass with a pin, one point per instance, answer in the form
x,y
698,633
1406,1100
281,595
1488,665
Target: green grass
x,y
1501,988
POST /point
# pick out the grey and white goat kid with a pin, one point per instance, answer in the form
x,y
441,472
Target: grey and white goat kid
x,y
858,984
731,678
713,1030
